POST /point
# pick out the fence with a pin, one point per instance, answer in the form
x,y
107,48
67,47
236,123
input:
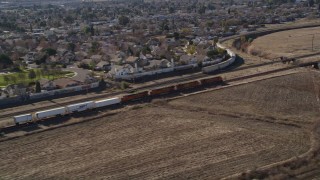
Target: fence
x,y
221,65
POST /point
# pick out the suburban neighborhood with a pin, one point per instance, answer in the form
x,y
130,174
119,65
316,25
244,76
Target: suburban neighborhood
x,y
122,39
160,89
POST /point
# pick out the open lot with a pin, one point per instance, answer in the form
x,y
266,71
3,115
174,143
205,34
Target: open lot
x,y
287,43
209,135
23,76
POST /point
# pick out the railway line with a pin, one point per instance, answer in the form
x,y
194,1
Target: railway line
x,y
172,81
228,83
5,115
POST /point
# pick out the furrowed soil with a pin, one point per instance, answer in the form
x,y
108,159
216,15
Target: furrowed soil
x,y
289,98
204,136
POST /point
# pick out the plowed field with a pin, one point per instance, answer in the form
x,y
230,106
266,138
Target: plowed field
x,y
209,135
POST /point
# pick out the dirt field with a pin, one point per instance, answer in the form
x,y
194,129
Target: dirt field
x,y
287,43
289,98
196,137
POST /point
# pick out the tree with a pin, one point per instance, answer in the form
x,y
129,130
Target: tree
x,y
202,10
124,85
210,23
86,30
123,20
68,20
215,40
32,74
42,59
176,35
5,61
311,3
211,6
94,46
102,83
6,79
38,87
191,49
14,79
172,10
212,53
43,24
71,46
91,30
31,30
50,51
21,76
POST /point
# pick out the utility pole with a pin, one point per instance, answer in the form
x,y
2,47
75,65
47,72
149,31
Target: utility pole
x,y
312,41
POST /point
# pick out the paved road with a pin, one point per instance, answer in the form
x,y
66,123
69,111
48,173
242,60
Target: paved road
x,y
80,74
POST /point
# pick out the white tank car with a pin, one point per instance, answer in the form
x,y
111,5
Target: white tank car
x,y
50,113
22,118
107,102
80,107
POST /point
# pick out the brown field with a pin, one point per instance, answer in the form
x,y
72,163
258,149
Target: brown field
x,y
289,98
287,43
204,136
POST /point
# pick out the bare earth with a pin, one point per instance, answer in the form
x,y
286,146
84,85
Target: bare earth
x,y
200,136
287,43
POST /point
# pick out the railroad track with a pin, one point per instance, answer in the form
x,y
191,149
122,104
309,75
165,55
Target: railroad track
x,y
176,80
12,128
172,81
198,75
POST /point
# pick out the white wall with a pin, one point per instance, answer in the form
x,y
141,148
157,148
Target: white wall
x,y
222,65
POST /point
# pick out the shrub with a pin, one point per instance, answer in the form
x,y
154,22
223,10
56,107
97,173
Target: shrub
x,y
124,85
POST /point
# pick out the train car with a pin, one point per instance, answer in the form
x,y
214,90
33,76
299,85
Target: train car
x,y
211,81
133,97
107,102
22,118
80,107
163,90
50,113
185,67
188,85
210,69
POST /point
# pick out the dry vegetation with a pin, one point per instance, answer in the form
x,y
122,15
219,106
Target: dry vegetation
x,y
286,43
197,137
289,98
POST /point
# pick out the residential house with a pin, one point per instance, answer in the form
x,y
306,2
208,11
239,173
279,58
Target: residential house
x,y
80,55
118,71
97,58
29,58
157,64
132,60
160,53
186,59
68,57
103,66
47,84
16,89
153,42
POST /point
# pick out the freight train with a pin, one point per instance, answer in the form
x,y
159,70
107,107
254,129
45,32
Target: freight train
x,y
84,106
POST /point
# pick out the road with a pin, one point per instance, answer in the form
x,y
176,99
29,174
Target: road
x,y
80,74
